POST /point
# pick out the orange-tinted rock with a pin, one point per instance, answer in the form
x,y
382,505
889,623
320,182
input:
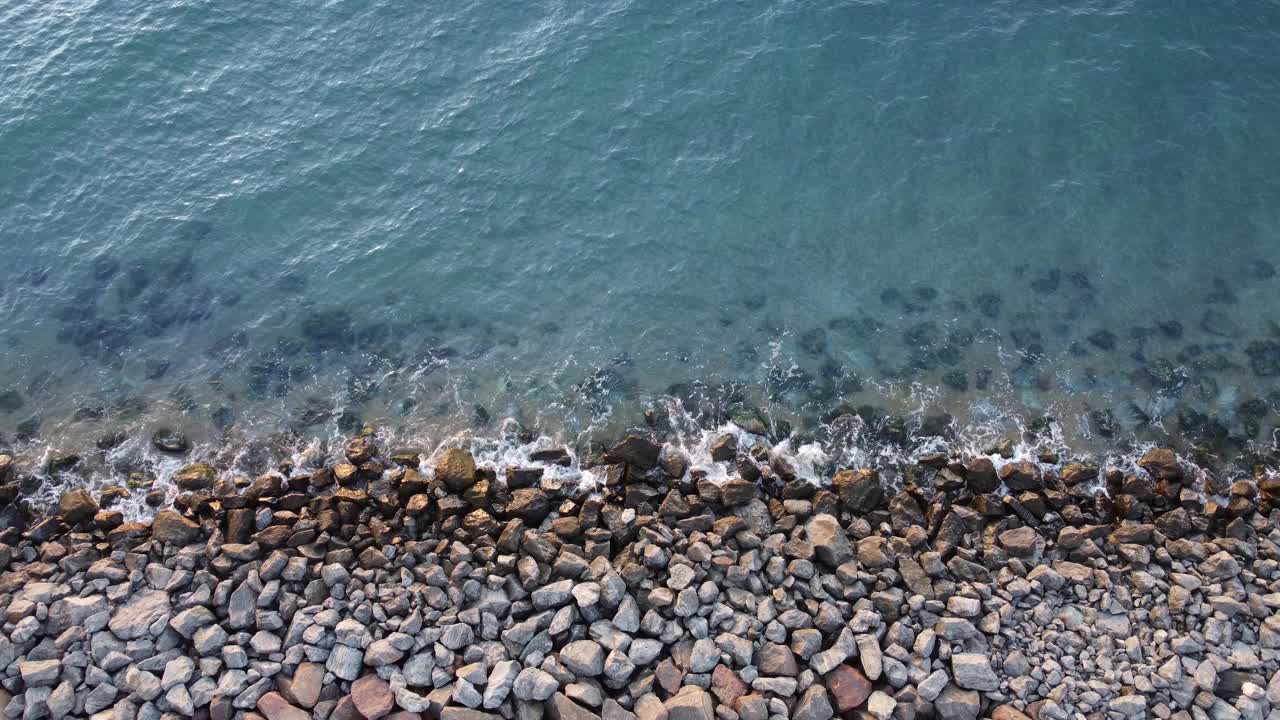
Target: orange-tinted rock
x,y
849,688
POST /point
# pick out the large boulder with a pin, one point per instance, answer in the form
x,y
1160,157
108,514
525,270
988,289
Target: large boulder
x,y
530,505
76,506
1021,475
145,612
859,490
457,469
171,528
1161,463
636,451
830,543
197,476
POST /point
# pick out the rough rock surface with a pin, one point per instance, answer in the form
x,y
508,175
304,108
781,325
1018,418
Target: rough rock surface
x,y
371,589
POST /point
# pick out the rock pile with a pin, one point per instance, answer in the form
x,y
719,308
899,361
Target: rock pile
x,y
374,589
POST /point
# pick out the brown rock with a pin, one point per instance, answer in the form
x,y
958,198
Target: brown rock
x,y
360,449
1162,463
858,490
273,706
668,675
170,527
305,685
1076,473
108,519
77,506
457,469
530,505
980,475
849,688
372,697
737,492
776,660
691,703
1008,712
727,686
1021,475
724,447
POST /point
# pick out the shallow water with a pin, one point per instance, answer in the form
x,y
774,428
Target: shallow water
x,y
264,229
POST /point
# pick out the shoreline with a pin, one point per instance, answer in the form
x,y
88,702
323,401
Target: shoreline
x,y
384,585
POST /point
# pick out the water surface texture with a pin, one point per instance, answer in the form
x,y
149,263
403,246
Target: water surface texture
x,y
281,221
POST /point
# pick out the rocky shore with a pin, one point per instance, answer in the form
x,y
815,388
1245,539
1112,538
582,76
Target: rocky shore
x,y
381,586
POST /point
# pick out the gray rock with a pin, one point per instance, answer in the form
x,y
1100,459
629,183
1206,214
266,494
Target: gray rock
x,y
457,636
61,701
552,595
704,656
1130,706
499,683
177,671
141,683
382,652
973,671
814,705
954,703
931,686
345,662
137,617
100,698
881,705
534,685
584,658
187,622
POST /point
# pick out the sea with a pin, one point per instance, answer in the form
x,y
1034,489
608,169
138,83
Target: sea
x,y
855,230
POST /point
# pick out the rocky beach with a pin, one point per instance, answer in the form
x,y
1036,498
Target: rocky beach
x,y
388,585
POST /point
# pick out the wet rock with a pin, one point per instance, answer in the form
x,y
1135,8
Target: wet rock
x,y
360,449
859,490
457,469
1021,475
981,476
195,477
170,441
1161,463
77,506
724,448
638,452
530,505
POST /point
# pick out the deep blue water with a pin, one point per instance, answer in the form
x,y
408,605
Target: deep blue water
x,y
243,221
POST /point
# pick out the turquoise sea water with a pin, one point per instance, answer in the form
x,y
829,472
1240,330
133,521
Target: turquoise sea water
x,y
262,224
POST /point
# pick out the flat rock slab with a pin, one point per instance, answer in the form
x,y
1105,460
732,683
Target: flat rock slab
x,y
135,618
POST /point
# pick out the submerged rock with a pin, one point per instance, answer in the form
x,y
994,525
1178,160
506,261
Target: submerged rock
x,y
171,441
